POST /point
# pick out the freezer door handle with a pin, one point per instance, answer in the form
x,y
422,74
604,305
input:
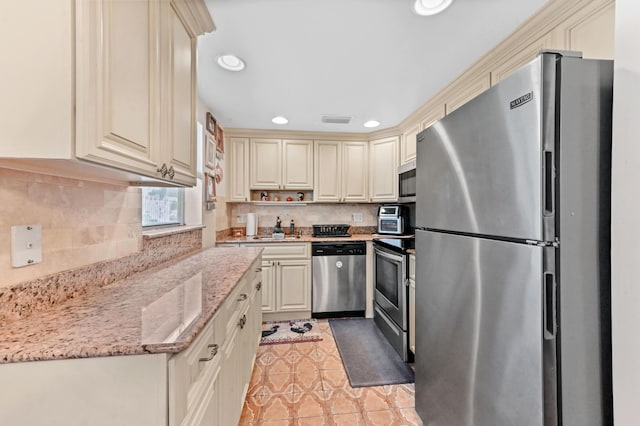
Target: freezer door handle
x,y
550,325
549,183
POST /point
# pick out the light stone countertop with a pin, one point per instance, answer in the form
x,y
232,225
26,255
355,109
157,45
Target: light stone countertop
x,y
160,310
302,239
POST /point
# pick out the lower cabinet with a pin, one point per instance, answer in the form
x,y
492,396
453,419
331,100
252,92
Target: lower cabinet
x,y
286,280
205,384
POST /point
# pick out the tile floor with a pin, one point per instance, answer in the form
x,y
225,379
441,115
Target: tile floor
x,y
306,384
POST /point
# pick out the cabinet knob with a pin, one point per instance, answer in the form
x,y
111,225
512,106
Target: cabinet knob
x,y
259,270
242,321
259,286
242,297
171,172
214,352
163,170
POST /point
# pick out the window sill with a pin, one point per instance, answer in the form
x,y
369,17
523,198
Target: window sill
x,y
169,230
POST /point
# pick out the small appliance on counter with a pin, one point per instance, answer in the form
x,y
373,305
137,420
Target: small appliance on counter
x,y
392,219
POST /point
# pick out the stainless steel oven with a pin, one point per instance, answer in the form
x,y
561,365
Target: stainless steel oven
x,y
391,292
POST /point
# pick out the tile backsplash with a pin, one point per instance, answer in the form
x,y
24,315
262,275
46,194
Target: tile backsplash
x,y
82,222
305,216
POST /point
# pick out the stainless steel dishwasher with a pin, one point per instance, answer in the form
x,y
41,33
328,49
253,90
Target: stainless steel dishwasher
x,y
339,282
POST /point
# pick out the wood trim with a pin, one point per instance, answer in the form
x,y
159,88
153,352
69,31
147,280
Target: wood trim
x,y
196,15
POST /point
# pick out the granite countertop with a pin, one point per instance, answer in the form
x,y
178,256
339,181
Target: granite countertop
x,y
160,310
303,239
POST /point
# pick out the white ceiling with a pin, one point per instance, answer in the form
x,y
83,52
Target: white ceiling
x,y
368,59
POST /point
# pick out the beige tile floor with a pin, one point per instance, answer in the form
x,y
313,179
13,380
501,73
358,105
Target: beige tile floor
x,y
306,384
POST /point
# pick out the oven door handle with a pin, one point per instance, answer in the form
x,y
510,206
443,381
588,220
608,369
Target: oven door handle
x,y
394,257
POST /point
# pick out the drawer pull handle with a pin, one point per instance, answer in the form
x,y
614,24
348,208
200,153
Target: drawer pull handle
x,y
259,286
259,270
214,352
242,297
242,321
171,172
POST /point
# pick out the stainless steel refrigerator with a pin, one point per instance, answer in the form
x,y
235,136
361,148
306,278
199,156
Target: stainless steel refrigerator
x,y
512,252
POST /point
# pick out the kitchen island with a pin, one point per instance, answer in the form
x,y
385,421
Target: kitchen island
x,y
151,349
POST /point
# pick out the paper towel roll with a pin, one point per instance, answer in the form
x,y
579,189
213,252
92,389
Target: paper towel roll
x,y
252,224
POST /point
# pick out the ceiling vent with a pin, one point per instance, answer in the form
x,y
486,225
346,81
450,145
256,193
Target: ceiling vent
x,y
336,119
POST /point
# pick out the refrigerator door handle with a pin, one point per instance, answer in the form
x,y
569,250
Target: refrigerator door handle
x,y
549,183
550,324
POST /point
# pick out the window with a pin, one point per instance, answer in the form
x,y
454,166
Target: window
x,y
162,206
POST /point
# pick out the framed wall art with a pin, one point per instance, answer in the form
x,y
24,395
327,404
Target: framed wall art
x,y
219,139
211,124
209,188
210,151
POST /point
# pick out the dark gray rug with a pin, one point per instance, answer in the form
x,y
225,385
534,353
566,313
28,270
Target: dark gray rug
x,y
367,356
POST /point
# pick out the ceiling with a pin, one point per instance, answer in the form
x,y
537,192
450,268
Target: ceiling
x,y
367,59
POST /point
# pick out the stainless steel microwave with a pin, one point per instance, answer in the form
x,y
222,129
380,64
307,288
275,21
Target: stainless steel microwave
x,y
407,182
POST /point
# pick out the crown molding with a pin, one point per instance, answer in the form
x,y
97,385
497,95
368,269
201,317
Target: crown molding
x,y
196,15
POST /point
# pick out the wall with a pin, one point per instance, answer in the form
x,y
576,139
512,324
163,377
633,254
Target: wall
x,y
311,214
625,206
82,222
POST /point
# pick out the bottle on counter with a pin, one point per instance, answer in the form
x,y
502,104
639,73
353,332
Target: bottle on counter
x,y
292,228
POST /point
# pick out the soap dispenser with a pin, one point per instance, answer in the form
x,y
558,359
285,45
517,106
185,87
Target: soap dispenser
x,y
292,228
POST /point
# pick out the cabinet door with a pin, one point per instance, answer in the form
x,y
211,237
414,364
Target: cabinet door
x,y
327,171
238,169
266,163
297,164
467,89
408,144
179,143
383,170
522,57
118,84
268,286
355,171
293,285
590,31
435,114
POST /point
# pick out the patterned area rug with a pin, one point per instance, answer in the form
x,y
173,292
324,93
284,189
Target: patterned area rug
x,y
275,332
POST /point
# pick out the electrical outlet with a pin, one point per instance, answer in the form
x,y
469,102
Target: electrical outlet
x,y
241,218
26,245
357,217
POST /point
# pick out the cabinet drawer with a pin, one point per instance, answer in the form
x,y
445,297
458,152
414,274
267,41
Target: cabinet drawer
x,y
190,371
230,310
283,250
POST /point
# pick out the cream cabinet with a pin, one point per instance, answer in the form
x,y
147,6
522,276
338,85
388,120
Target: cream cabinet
x,y
465,89
281,164
520,58
205,384
433,115
286,280
590,31
238,169
408,144
412,303
383,170
118,84
340,171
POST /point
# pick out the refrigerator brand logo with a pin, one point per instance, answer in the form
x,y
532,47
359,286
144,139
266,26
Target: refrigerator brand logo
x,y
521,100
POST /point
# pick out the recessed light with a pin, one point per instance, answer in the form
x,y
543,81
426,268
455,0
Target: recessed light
x,y
279,120
430,7
231,62
372,123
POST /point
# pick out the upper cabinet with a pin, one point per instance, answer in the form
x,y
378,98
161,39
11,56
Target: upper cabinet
x,y
341,170
590,31
238,164
408,144
465,89
383,170
281,164
133,98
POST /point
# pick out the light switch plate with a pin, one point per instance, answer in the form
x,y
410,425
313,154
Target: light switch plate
x,y
26,245
357,217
